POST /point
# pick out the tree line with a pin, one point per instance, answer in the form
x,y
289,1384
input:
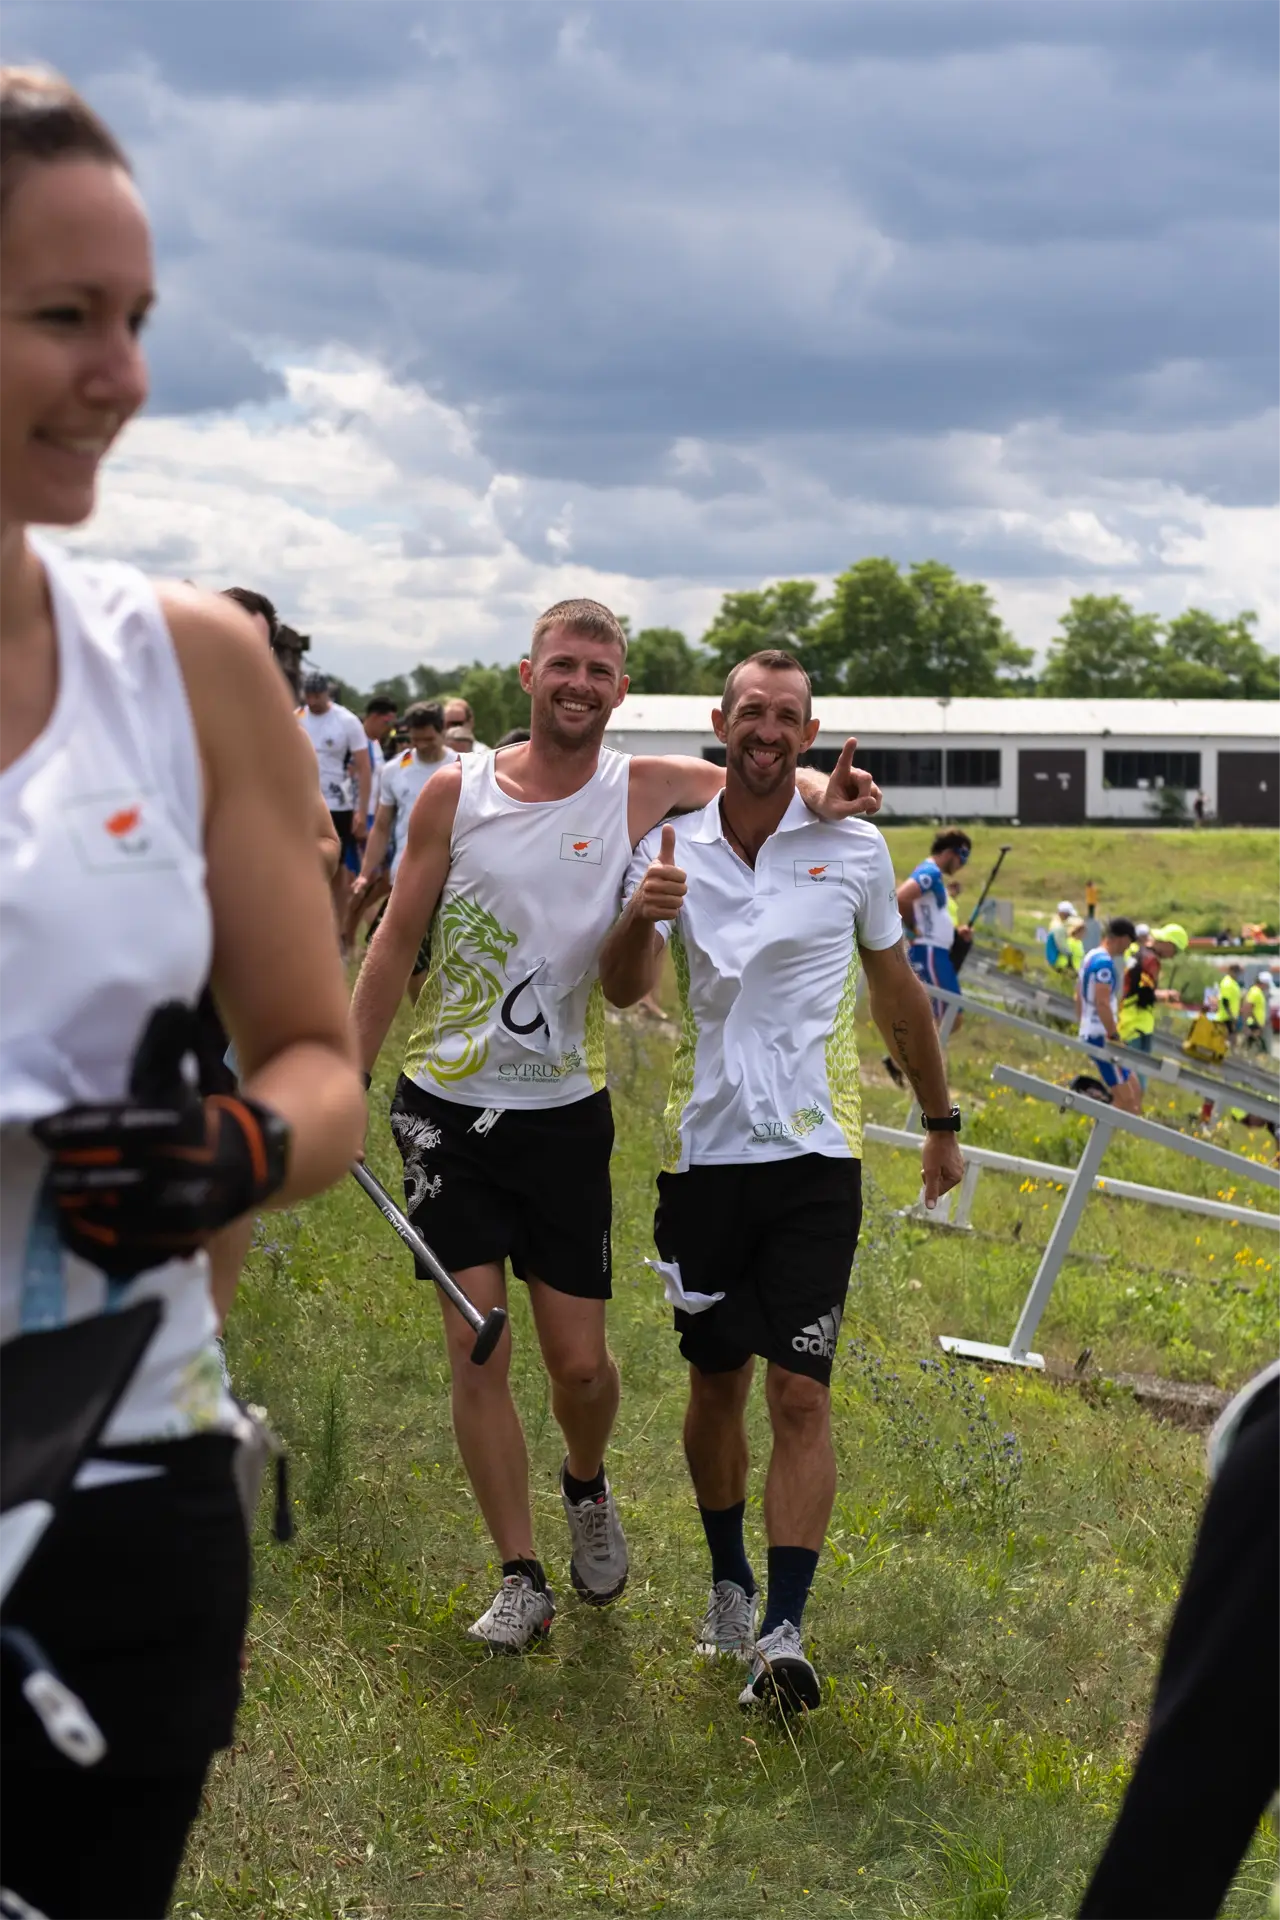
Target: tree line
x,y
920,630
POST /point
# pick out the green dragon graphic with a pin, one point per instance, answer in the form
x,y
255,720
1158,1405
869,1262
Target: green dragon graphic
x,y
459,991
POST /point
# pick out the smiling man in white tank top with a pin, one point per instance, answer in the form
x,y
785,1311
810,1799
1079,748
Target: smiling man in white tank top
x,y
501,1114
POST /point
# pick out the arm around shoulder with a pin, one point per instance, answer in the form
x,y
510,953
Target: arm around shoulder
x,y
672,783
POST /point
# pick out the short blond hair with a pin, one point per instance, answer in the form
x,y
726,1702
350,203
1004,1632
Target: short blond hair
x,y
587,618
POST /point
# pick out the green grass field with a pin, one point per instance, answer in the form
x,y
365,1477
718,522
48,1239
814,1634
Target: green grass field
x,y
988,1615
1208,880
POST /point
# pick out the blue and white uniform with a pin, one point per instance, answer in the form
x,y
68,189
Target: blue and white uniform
x,y
930,949
1101,968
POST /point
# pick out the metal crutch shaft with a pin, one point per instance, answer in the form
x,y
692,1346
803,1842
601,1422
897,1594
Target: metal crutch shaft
x,y
487,1327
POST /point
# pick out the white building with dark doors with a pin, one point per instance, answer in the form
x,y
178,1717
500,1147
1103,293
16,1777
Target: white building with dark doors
x,y
1029,761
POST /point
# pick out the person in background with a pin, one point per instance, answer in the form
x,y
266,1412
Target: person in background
x,y
513,737
261,611
1257,1013
380,718
380,715
1056,951
1230,998
922,902
1197,808
1091,899
341,746
229,1247
460,727
402,782
1141,989
1097,994
1075,942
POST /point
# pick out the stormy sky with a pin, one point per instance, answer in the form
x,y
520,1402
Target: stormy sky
x,y
468,307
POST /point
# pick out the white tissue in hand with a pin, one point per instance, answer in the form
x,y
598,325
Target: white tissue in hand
x,y
674,1289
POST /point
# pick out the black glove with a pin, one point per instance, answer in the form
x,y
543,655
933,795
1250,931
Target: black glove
x,y
148,1179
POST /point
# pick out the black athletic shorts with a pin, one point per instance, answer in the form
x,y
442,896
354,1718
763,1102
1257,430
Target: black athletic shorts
x,y
342,827
778,1241
139,1594
526,1184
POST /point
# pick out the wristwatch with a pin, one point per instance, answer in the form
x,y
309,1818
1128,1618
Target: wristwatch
x,y
947,1123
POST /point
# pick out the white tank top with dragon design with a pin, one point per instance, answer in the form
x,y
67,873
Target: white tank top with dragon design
x,y
105,916
511,1013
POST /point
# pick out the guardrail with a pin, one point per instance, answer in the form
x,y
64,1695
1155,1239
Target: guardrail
x,y
1169,1073
1083,1179
954,1210
1225,1087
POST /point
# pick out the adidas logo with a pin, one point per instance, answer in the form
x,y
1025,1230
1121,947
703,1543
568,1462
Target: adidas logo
x,y
820,1338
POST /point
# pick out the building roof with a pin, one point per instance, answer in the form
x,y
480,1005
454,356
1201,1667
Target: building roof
x,y
870,718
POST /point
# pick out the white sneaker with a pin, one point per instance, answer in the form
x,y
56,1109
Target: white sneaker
x,y
781,1672
731,1623
598,1562
519,1615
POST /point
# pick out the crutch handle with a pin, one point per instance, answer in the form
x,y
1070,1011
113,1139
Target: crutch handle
x,y
489,1335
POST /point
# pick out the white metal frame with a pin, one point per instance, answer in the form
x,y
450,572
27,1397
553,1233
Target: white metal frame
x,y
1231,1083
955,1209
1084,1178
1169,1072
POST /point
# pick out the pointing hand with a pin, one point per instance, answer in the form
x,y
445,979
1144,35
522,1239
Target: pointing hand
x,y
850,790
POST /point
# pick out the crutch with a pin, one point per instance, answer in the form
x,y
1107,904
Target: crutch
x,y
487,1327
960,949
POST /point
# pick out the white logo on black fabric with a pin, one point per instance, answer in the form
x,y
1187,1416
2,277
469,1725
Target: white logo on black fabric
x,y
415,1138
820,1339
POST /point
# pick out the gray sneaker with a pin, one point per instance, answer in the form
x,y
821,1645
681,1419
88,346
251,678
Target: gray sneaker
x,y
731,1623
520,1614
780,1672
598,1562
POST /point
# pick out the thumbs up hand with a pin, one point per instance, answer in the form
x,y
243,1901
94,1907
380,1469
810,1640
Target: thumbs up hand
x,y
660,894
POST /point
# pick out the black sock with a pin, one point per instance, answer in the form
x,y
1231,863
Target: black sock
x,y
533,1568
791,1571
723,1528
576,1490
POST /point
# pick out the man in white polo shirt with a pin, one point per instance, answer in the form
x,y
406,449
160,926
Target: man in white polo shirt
x,y
769,912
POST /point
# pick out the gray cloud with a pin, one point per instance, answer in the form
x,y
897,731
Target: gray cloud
x,y
740,287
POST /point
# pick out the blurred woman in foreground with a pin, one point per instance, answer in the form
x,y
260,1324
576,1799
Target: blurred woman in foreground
x,y
156,830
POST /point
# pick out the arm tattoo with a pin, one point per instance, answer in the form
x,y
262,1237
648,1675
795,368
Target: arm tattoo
x,y
901,1032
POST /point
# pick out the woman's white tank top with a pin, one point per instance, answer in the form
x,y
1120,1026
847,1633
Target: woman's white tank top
x,y
105,915
511,1013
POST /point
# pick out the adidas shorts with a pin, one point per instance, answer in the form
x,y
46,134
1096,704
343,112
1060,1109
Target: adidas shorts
x,y
778,1241
528,1184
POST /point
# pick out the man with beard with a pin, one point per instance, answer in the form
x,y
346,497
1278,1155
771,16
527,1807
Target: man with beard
x,y
768,912
501,1114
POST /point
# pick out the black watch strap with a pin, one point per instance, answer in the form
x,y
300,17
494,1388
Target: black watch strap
x,y
947,1123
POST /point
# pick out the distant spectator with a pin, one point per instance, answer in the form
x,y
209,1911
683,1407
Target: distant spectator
x,y
259,609
460,727
1056,948
513,737
1197,807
